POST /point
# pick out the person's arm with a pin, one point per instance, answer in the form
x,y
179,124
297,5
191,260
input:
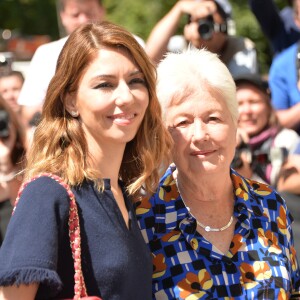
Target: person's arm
x,y
268,17
289,176
24,292
29,252
289,118
157,42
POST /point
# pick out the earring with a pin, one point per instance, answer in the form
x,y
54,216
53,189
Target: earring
x,y
74,114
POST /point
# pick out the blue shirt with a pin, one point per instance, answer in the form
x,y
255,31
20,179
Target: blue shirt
x,y
283,79
261,262
116,263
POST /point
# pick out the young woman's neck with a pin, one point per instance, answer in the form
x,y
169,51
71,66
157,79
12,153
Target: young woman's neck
x,y
108,161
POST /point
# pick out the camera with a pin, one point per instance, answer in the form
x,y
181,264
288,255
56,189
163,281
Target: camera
x,y
6,60
260,158
4,124
207,26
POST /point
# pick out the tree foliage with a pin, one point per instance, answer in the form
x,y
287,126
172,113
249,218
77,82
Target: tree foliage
x,y
30,17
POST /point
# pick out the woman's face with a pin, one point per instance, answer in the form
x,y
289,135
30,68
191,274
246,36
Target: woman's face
x,y
254,112
111,99
203,131
10,87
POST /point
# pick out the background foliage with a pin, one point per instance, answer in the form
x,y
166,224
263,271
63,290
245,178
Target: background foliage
x,y
30,17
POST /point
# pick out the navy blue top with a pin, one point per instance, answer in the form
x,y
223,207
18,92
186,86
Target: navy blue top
x,y
115,261
278,26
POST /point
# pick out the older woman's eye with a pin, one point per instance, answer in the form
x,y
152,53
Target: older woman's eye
x,y
214,119
182,123
138,80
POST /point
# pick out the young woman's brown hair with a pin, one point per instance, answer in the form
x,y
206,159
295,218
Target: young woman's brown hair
x,y
59,144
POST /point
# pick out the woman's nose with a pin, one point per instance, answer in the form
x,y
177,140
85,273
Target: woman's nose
x,y
123,95
245,108
199,131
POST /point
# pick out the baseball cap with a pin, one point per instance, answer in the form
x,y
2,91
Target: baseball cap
x,y
253,79
225,6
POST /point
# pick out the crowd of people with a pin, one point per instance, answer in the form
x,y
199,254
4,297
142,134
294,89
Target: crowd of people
x,y
160,169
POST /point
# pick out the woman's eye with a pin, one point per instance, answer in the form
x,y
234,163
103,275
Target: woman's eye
x,y
182,123
103,85
138,81
213,119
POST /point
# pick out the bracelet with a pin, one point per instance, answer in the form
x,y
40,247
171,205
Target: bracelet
x,y
8,177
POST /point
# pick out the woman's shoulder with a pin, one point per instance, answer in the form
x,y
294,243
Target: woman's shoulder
x,y
262,199
259,191
43,191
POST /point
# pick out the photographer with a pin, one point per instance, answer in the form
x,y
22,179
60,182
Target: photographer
x,y
208,25
265,151
12,150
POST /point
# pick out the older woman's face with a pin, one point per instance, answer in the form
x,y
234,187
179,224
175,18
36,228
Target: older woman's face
x,y
254,112
203,131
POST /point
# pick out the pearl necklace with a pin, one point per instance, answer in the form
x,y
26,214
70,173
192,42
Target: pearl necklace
x,y
206,228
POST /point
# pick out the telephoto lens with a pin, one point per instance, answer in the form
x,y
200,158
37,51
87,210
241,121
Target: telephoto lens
x,y
206,28
4,124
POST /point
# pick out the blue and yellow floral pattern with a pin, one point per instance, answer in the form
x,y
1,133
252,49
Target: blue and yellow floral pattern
x,y
260,264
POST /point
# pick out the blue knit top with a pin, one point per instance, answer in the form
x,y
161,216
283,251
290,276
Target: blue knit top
x,y
115,260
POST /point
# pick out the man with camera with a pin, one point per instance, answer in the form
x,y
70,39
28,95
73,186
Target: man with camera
x,y
209,25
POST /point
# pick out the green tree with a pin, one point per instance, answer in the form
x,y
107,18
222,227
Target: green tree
x,y
30,17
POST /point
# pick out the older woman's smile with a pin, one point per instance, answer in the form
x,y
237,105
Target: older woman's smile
x,y
202,152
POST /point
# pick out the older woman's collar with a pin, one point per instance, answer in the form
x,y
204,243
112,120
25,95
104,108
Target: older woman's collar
x,y
248,195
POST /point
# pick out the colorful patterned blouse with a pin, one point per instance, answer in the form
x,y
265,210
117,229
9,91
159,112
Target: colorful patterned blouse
x,y
261,262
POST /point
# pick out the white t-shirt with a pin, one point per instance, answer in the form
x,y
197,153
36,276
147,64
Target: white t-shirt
x,y
41,70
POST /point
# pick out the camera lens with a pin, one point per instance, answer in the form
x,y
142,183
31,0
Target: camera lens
x,y
3,60
4,124
206,28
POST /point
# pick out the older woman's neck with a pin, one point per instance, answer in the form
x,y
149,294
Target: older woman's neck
x,y
208,188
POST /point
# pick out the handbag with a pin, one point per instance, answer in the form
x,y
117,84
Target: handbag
x,y
80,291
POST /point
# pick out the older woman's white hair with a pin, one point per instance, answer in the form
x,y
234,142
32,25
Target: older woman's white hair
x,y
180,74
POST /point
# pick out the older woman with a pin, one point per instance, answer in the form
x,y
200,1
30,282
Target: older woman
x,y
213,234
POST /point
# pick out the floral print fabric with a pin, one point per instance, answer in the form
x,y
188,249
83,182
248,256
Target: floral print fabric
x,y
260,264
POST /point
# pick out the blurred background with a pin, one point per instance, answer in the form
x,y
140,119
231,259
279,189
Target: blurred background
x,y
26,24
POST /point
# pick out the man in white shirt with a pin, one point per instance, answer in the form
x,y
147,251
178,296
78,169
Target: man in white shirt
x,y
72,13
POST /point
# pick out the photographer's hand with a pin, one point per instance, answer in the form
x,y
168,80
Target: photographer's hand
x,y
241,137
157,42
243,154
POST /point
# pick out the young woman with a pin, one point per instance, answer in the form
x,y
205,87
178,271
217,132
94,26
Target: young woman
x,y
101,131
